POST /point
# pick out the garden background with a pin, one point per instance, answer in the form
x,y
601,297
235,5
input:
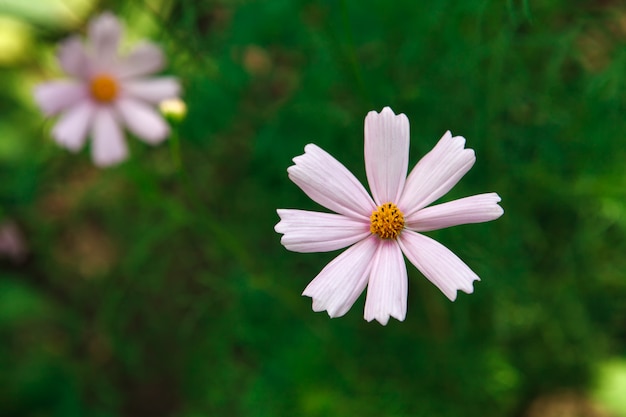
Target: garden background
x,y
159,287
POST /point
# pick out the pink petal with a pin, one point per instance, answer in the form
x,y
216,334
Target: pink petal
x,y
105,32
475,209
341,282
309,231
142,120
386,154
56,96
146,58
436,173
71,129
73,59
442,267
387,288
152,90
327,182
108,146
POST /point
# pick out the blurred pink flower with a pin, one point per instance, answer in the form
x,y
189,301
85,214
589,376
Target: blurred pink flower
x,y
382,229
105,91
12,242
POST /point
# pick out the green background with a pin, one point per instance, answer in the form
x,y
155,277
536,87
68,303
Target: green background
x,y
159,287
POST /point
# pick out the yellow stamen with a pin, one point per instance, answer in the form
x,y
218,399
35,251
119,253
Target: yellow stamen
x,y
387,221
103,88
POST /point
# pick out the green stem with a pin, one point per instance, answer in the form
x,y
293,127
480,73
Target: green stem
x,y
351,52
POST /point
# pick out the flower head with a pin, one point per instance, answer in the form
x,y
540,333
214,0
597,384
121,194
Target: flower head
x,y
105,91
381,229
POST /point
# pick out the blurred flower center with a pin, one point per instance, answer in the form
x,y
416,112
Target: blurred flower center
x,y
103,88
387,221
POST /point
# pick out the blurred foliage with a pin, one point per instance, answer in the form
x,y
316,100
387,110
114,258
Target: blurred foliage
x,y
159,288
611,386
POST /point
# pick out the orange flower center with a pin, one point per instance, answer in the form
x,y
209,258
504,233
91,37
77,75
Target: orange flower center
x,y
103,88
387,221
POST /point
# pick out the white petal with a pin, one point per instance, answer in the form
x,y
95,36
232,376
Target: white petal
x,y
105,32
152,90
309,231
436,173
108,146
330,184
145,58
142,120
442,267
388,287
341,282
73,59
475,209
71,129
386,154
56,96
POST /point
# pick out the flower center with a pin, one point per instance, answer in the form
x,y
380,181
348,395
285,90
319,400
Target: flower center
x,y
103,88
387,221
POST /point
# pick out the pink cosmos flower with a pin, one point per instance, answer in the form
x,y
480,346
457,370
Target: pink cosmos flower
x,y
105,91
381,229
